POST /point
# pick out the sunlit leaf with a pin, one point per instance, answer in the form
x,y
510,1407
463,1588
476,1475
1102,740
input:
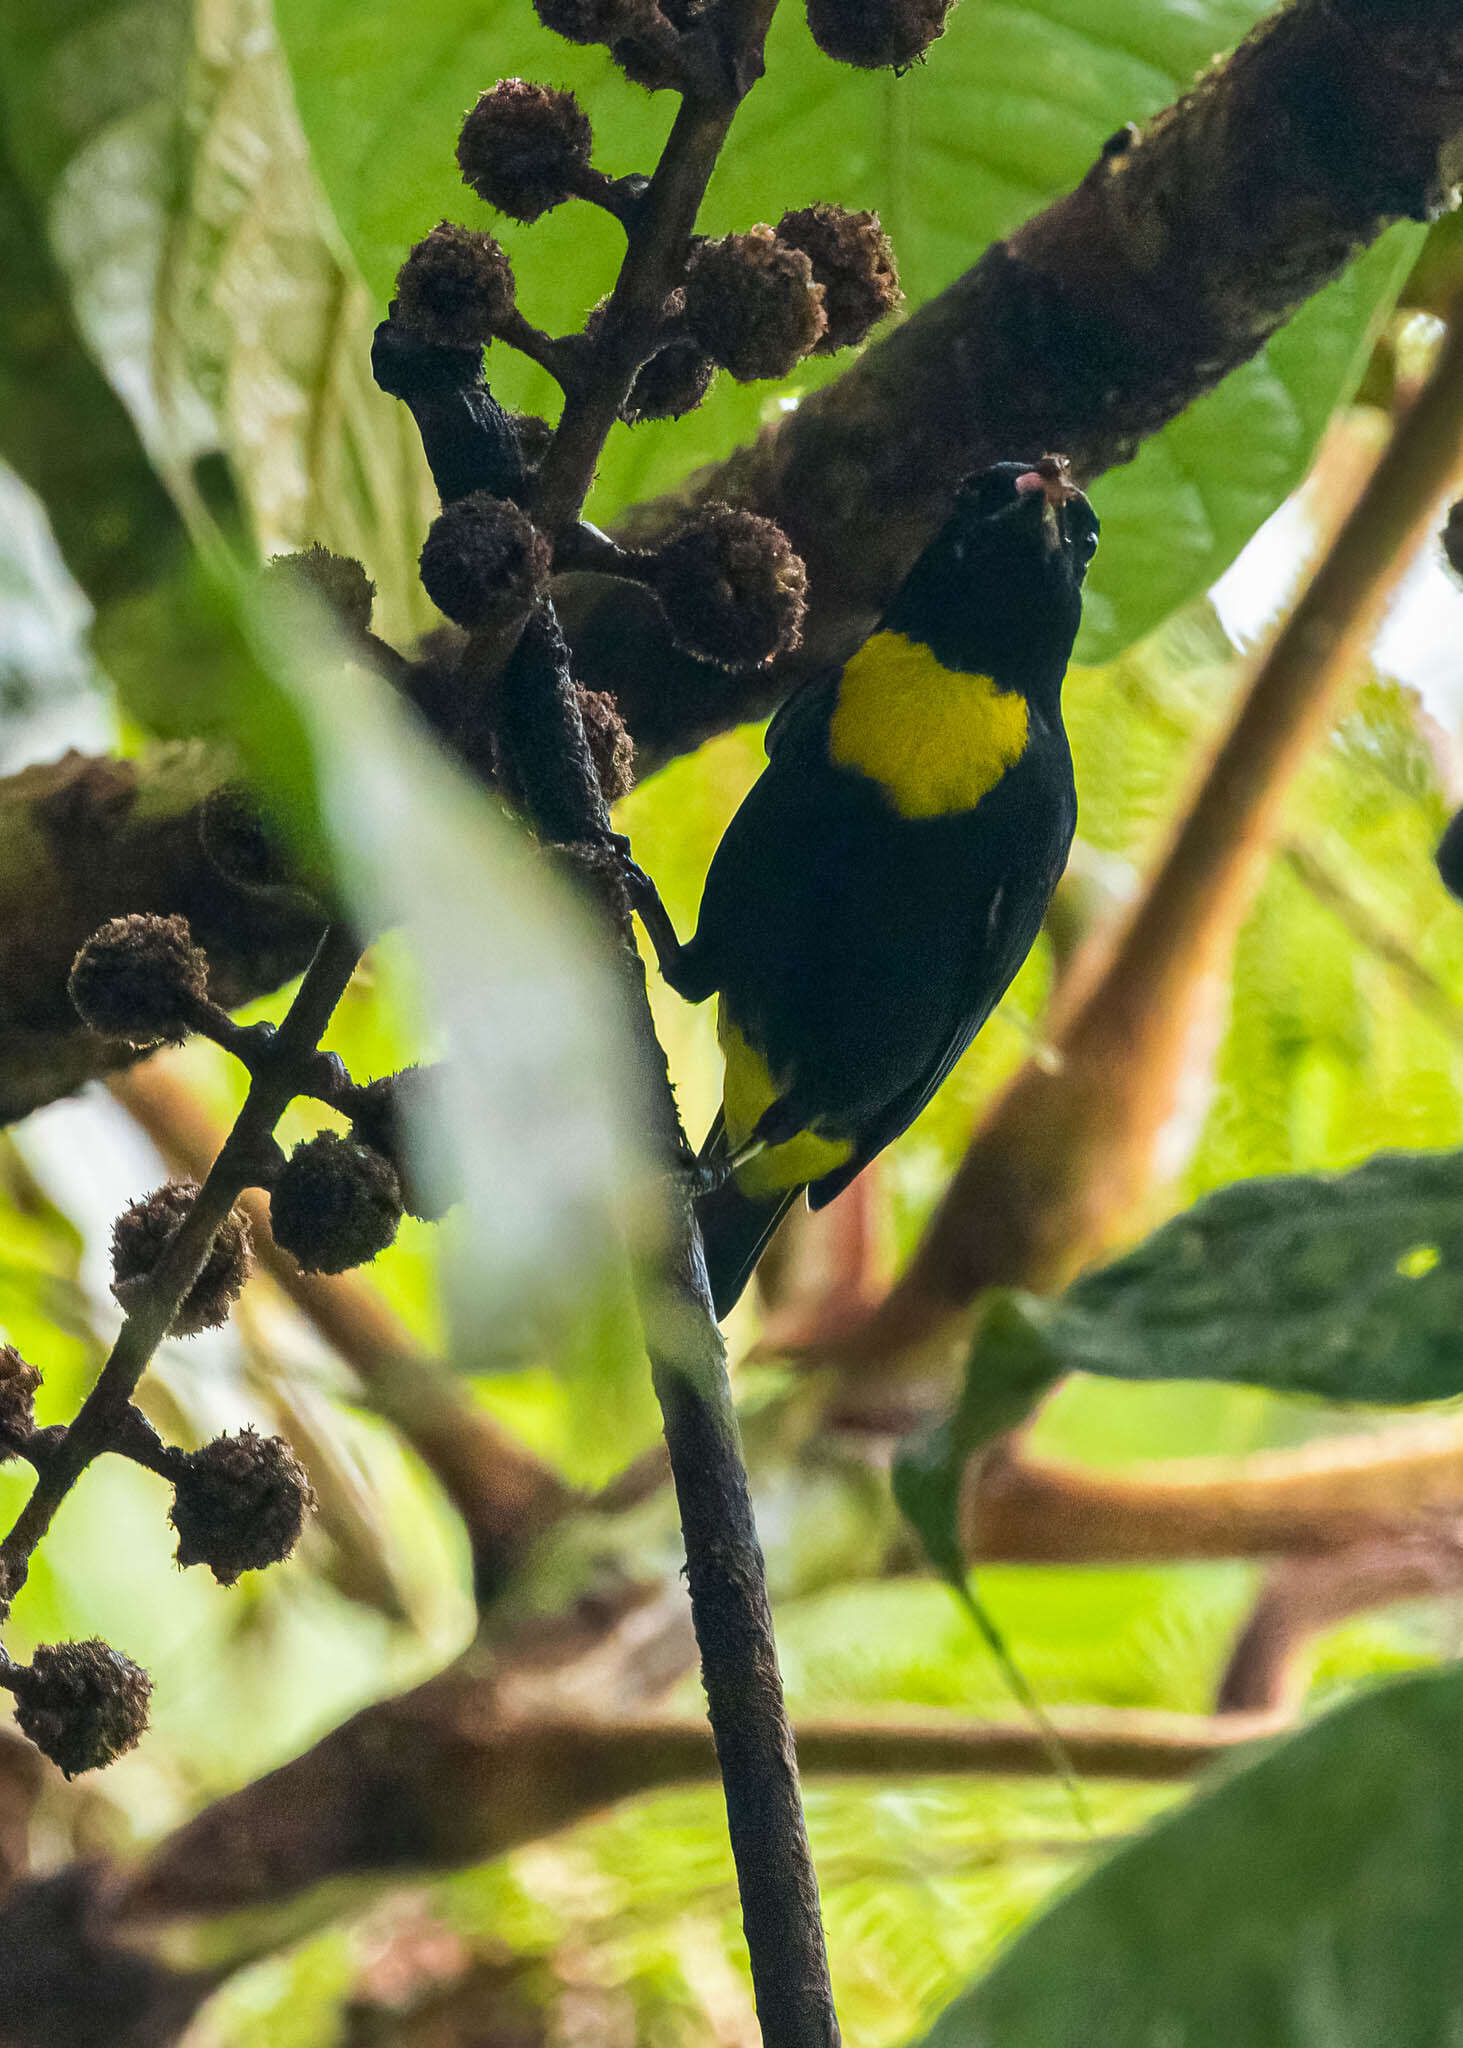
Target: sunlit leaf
x,y
161,154
1307,1901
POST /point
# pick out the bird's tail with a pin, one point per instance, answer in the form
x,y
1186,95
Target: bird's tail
x,y
735,1228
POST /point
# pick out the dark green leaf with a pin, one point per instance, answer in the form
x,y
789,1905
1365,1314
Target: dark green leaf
x,y
1011,1365
1311,1900
1349,1286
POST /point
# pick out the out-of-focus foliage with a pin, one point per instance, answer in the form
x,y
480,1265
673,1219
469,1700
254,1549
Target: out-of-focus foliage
x,y
554,1179
1007,114
1308,1899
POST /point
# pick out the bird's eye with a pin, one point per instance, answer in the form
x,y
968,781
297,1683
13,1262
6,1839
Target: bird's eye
x,y
1087,543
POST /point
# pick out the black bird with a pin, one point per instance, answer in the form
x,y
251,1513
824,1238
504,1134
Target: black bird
x,y
888,873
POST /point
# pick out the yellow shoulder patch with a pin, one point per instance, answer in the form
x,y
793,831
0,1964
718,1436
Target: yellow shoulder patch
x,y
749,1092
933,738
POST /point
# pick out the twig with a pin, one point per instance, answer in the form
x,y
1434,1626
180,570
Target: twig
x,y
104,1414
727,1578
1063,1155
505,1496
658,235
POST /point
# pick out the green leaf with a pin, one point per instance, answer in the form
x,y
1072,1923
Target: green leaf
x,y
1349,1286
1010,110
164,167
1011,1366
62,429
1310,1900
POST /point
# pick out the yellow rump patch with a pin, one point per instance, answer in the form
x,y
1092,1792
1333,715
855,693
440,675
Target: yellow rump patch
x,y
934,738
749,1092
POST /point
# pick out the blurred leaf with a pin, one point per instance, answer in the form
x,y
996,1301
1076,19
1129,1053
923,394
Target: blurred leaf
x,y
539,1097
61,428
1010,110
1309,1900
161,154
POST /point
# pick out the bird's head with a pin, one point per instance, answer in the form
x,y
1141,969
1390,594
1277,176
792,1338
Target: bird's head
x,y
999,588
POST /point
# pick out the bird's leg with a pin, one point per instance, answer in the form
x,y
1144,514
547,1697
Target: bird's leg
x,y
710,1174
670,954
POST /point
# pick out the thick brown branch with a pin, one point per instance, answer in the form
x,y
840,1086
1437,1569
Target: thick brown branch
x,y
87,839
1329,1496
1068,1149
505,1496
464,1769
1088,330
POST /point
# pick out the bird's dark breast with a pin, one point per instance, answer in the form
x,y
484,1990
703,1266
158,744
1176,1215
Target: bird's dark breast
x,y
852,944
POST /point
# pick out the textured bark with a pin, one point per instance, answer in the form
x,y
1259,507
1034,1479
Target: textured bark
x,y
86,839
1087,330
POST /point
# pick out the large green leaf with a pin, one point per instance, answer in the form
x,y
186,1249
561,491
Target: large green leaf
x,y
1348,1286
1009,111
160,152
1311,1900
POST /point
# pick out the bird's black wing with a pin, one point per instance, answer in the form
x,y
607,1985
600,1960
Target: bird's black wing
x,y
997,953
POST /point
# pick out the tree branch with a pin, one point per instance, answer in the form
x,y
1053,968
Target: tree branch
x,y
1305,1596
467,1767
1329,1496
87,839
